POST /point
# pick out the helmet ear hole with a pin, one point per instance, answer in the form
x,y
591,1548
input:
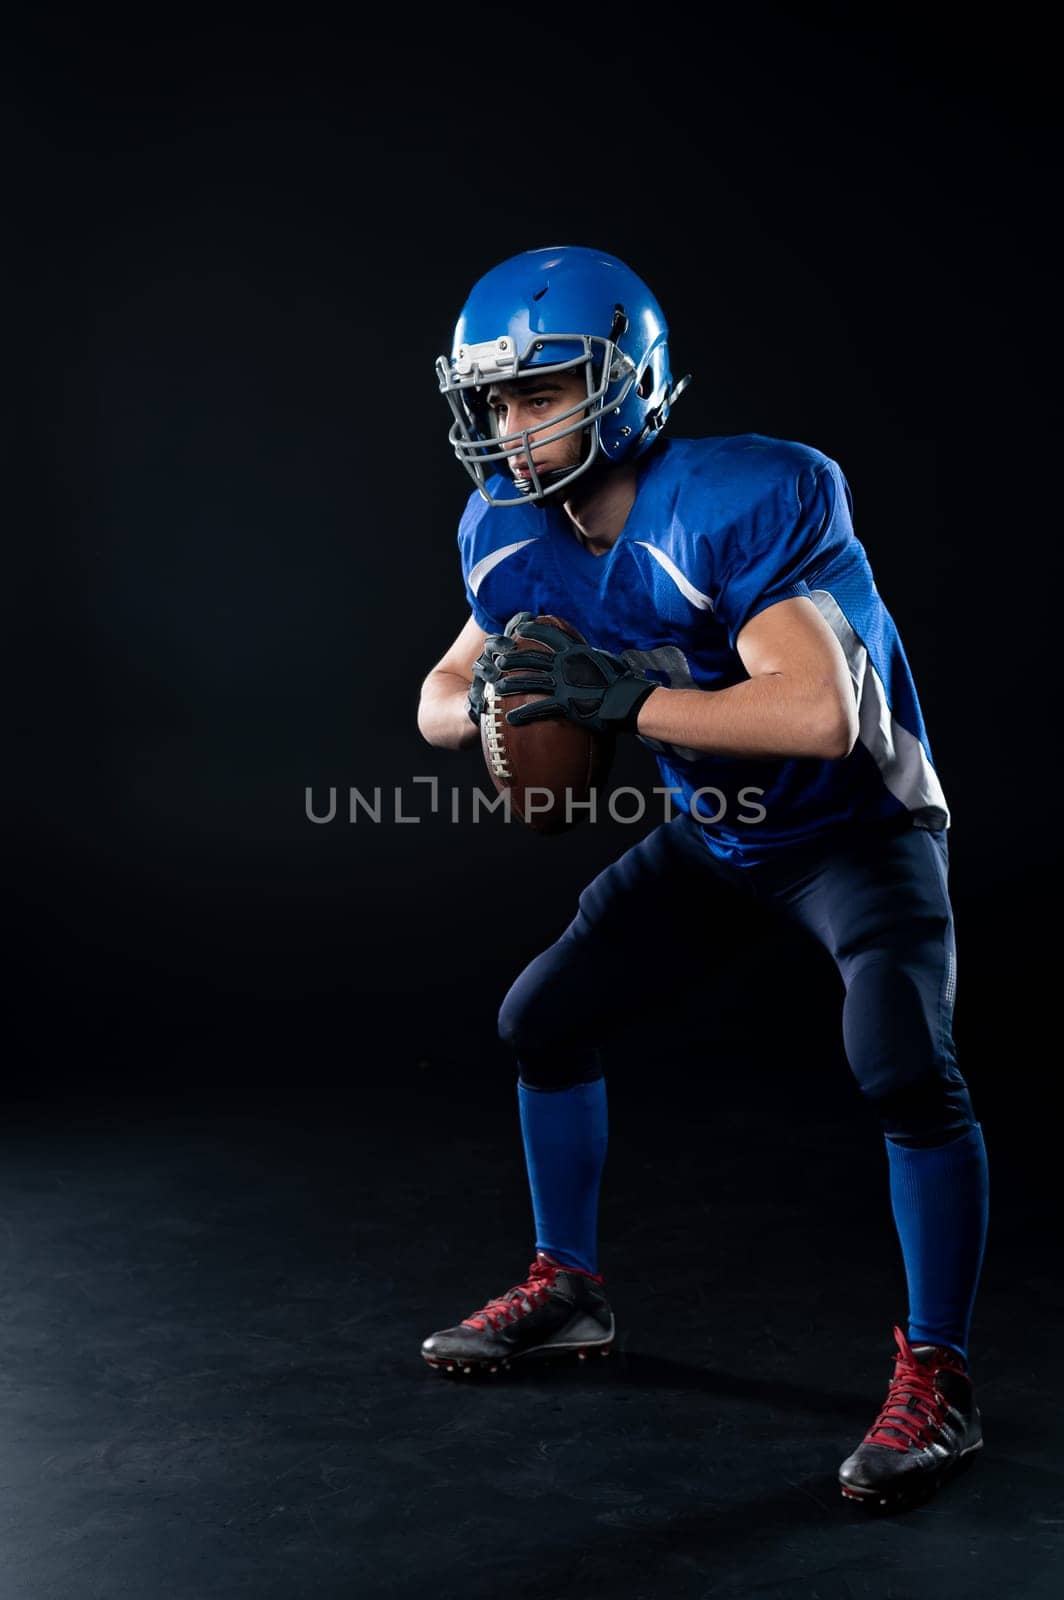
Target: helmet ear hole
x,y
645,387
481,417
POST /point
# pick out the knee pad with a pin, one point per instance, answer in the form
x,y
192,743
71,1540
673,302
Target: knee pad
x,y
543,1062
556,1072
934,1107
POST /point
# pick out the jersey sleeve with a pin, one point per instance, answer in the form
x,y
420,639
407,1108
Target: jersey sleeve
x,y
785,540
482,618
468,541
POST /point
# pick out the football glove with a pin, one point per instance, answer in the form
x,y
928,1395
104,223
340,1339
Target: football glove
x,y
484,668
591,687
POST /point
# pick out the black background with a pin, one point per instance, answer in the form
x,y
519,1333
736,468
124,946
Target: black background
x,y
242,243
258,1134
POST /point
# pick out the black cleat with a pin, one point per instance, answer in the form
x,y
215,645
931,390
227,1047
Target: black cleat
x,y
557,1310
928,1427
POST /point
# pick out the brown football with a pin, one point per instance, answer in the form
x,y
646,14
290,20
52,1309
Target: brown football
x,y
549,766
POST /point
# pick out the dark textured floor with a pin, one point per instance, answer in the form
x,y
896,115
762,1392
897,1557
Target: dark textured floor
x,y
211,1383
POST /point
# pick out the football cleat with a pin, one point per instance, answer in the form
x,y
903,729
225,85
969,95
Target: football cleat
x,y
929,1425
557,1310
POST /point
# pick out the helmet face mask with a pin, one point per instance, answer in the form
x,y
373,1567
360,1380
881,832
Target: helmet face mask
x,y
549,312
474,434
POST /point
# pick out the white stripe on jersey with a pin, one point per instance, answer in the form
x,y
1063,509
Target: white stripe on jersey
x,y
687,589
899,754
478,573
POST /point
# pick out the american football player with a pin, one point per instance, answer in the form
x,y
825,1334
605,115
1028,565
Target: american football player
x,y
734,626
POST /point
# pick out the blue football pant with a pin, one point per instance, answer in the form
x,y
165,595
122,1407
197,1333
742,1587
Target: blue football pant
x,y
878,901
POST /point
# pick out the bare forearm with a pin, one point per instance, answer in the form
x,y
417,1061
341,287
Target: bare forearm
x,y
769,716
442,715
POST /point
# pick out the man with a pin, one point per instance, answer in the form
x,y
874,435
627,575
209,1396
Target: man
x,y
733,625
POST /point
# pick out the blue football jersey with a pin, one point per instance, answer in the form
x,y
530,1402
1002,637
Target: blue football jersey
x,y
721,528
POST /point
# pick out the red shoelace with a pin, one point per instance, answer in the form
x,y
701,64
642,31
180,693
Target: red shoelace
x,y
913,1405
518,1301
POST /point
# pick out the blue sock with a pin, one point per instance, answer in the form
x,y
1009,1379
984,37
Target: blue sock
x,y
939,1194
564,1133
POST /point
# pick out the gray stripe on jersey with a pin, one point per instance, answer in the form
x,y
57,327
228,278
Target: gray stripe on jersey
x,y
899,754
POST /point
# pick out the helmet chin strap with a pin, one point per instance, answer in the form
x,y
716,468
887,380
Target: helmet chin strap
x,y
525,485
593,475
587,483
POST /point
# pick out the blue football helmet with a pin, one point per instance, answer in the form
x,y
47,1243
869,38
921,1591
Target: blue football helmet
x,y
546,311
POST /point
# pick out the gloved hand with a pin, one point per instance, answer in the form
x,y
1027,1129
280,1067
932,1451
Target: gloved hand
x,y
484,668
591,687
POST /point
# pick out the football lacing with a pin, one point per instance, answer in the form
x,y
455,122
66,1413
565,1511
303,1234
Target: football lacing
x,y
496,751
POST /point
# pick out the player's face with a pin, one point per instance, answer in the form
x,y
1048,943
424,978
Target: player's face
x,y
532,403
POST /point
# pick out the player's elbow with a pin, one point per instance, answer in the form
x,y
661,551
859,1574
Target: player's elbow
x,y
838,747
433,727
424,725
443,718
427,714
840,727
